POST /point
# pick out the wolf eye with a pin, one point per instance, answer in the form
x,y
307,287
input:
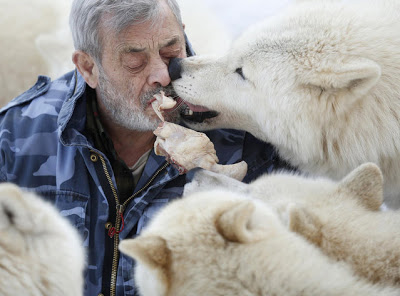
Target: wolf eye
x,y
240,72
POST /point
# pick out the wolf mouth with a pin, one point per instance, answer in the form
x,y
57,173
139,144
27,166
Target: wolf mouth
x,y
199,117
189,112
196,113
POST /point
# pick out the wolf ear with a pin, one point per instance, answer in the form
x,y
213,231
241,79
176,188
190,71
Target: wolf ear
x,y
237,224
353,75
151,251
366,184
306,223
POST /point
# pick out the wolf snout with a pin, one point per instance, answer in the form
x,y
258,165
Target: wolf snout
x,y
174,68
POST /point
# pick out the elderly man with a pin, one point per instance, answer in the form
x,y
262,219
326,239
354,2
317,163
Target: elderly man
x,y
85,141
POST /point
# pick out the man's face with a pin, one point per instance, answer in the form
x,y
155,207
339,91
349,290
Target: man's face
x,y
135,67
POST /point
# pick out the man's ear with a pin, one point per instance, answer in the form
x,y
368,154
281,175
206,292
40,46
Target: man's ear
x,y
87,67
354,76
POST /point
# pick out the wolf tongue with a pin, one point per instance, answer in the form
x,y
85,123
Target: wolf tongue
x,y
197,108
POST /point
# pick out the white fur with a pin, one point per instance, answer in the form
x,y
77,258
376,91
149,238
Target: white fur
x,y
342,218
34,40
41,254
322,85
222,243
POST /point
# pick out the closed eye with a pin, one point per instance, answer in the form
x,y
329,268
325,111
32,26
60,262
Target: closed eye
x,y
240,72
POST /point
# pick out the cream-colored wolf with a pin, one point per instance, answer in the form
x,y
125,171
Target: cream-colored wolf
x,y
220,243
41,254
321,82
342,218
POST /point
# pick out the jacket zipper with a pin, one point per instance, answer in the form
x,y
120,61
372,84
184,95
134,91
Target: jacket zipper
x,y
120,211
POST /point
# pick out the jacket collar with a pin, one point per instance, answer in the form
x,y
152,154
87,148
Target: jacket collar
x,y
75,92
72,117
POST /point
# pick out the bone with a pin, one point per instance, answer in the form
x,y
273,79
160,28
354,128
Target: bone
x,y
187,149
161,103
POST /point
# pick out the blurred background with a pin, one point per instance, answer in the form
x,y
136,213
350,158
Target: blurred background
x,y
35,38
212,24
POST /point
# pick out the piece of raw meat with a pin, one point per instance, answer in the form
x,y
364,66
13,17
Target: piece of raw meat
x,y
187,149
162,102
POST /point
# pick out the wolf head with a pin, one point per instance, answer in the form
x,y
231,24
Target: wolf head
x,y
195,246
320,82
40,252
359,192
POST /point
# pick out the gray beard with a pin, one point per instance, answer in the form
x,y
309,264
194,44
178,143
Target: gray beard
x,y
121,109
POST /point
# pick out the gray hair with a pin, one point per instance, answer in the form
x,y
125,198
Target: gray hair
x,y
86,19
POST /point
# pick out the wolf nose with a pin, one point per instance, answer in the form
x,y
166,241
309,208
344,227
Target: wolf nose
x,y
174,68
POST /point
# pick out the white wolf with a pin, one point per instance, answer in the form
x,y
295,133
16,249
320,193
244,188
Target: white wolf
x,y
321,82
220,243
341,218
40,252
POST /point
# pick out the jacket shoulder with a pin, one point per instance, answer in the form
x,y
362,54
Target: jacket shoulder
x,y
42,86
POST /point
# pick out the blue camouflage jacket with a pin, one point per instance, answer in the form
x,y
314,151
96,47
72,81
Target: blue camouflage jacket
x,y
43,148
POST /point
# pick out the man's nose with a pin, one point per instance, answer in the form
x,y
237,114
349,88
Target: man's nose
x,y
174,68
158,73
